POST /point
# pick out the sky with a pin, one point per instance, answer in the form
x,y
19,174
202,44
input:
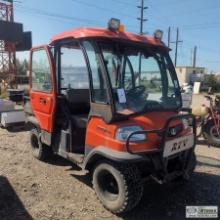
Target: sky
x,y
198,22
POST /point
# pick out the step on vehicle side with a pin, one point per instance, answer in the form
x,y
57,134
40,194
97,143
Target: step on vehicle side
x,y
110,101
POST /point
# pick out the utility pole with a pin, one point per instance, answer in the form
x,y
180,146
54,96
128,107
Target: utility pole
x,y
169,36
194,56
142,20
177,42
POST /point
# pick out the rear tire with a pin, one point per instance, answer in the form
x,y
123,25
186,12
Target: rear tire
x,y
118,187
39,150
211,134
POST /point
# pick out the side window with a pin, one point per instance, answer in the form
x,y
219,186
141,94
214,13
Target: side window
x,y
41,74
98,82
128,76
74,73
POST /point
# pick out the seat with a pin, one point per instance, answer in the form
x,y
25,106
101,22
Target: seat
x,y
80,121
79,132
78,100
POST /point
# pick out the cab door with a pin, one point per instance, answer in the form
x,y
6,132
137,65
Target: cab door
x,y
43,87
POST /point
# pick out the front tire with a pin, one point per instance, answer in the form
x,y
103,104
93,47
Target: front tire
x,y
191,166
118,187
39,150
211,134
189,170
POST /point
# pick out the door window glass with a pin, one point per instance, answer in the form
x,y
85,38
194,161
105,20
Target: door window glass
x,y
98,81
41,74
74,73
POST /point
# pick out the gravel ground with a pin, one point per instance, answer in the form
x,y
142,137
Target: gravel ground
x,y
30,189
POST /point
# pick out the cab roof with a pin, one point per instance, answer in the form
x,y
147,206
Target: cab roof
x,y
106,33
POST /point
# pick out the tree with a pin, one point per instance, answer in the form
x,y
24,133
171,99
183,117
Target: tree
x,y
22,67
210,80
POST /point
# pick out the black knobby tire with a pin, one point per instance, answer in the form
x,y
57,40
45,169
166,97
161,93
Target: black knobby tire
x,y
118,187
211,134
39,150
189,170
191,166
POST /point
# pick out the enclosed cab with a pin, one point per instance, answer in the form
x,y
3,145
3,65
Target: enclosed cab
x,y
110,101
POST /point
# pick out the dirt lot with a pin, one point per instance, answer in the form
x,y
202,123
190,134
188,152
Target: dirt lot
x,y
30,189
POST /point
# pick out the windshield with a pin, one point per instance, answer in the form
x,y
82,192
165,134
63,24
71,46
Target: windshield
x,y
141,79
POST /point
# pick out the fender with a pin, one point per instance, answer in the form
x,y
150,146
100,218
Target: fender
x,y
45,136
92,154
32,121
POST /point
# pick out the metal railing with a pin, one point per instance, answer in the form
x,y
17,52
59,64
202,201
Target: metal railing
x,y
162,132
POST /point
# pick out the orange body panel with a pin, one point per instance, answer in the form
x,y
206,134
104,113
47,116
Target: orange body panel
x,y
101,134
43,104
43,111
106,33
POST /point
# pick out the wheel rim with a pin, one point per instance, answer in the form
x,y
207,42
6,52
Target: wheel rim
x,y
108,185
214,133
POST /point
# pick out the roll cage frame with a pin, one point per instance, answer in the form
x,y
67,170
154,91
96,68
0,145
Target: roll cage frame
x,y
105,110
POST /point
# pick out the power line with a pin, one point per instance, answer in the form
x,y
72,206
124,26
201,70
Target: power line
x,y
124,3
102,8
171,2
188,12
200,24
202,27
182,55
195,11
55,15
202,47
60,17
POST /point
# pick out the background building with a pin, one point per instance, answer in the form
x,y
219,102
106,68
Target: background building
x,y
189,74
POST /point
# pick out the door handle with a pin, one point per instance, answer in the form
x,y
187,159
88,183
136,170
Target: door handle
x,y
43,101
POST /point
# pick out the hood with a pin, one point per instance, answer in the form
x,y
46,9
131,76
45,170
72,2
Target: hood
x,y
153,120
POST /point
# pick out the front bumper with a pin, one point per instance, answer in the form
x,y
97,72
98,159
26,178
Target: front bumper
x,y
170,167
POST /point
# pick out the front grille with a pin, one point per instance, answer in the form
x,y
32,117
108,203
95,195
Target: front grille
x,y
178,129
173,131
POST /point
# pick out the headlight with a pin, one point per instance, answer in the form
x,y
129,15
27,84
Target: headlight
x,y
123,133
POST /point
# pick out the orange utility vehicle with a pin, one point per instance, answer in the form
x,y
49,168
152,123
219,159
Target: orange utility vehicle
x,y
110,101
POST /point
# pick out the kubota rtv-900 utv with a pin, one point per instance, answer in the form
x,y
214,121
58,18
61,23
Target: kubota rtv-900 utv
x,y
110,101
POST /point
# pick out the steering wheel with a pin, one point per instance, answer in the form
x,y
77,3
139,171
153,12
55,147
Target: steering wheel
x,y
137,90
